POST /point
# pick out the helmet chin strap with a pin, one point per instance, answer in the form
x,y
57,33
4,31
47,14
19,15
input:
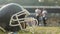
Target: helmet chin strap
x,y
17,19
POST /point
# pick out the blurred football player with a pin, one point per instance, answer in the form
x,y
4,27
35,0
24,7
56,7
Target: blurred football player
x,y
38,14
31,21
44,16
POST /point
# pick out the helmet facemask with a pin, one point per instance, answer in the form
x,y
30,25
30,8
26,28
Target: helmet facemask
x,y
19,18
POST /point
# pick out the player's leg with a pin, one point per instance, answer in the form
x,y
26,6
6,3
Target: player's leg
x,y
44,21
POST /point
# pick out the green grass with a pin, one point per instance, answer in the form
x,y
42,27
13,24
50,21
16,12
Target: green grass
x,y
41,30
38,30
24,32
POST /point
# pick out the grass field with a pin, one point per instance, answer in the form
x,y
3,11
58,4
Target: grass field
x,y
41,30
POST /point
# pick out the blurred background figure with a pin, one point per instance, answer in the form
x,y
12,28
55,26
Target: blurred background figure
x,y
38,14
31,21
44,16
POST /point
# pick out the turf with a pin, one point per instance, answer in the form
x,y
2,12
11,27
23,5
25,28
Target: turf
x,y
41,30
38,30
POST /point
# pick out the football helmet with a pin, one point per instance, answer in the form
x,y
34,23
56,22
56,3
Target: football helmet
x,y
11,16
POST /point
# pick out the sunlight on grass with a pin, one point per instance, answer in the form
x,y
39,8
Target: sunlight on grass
x,y
41,30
